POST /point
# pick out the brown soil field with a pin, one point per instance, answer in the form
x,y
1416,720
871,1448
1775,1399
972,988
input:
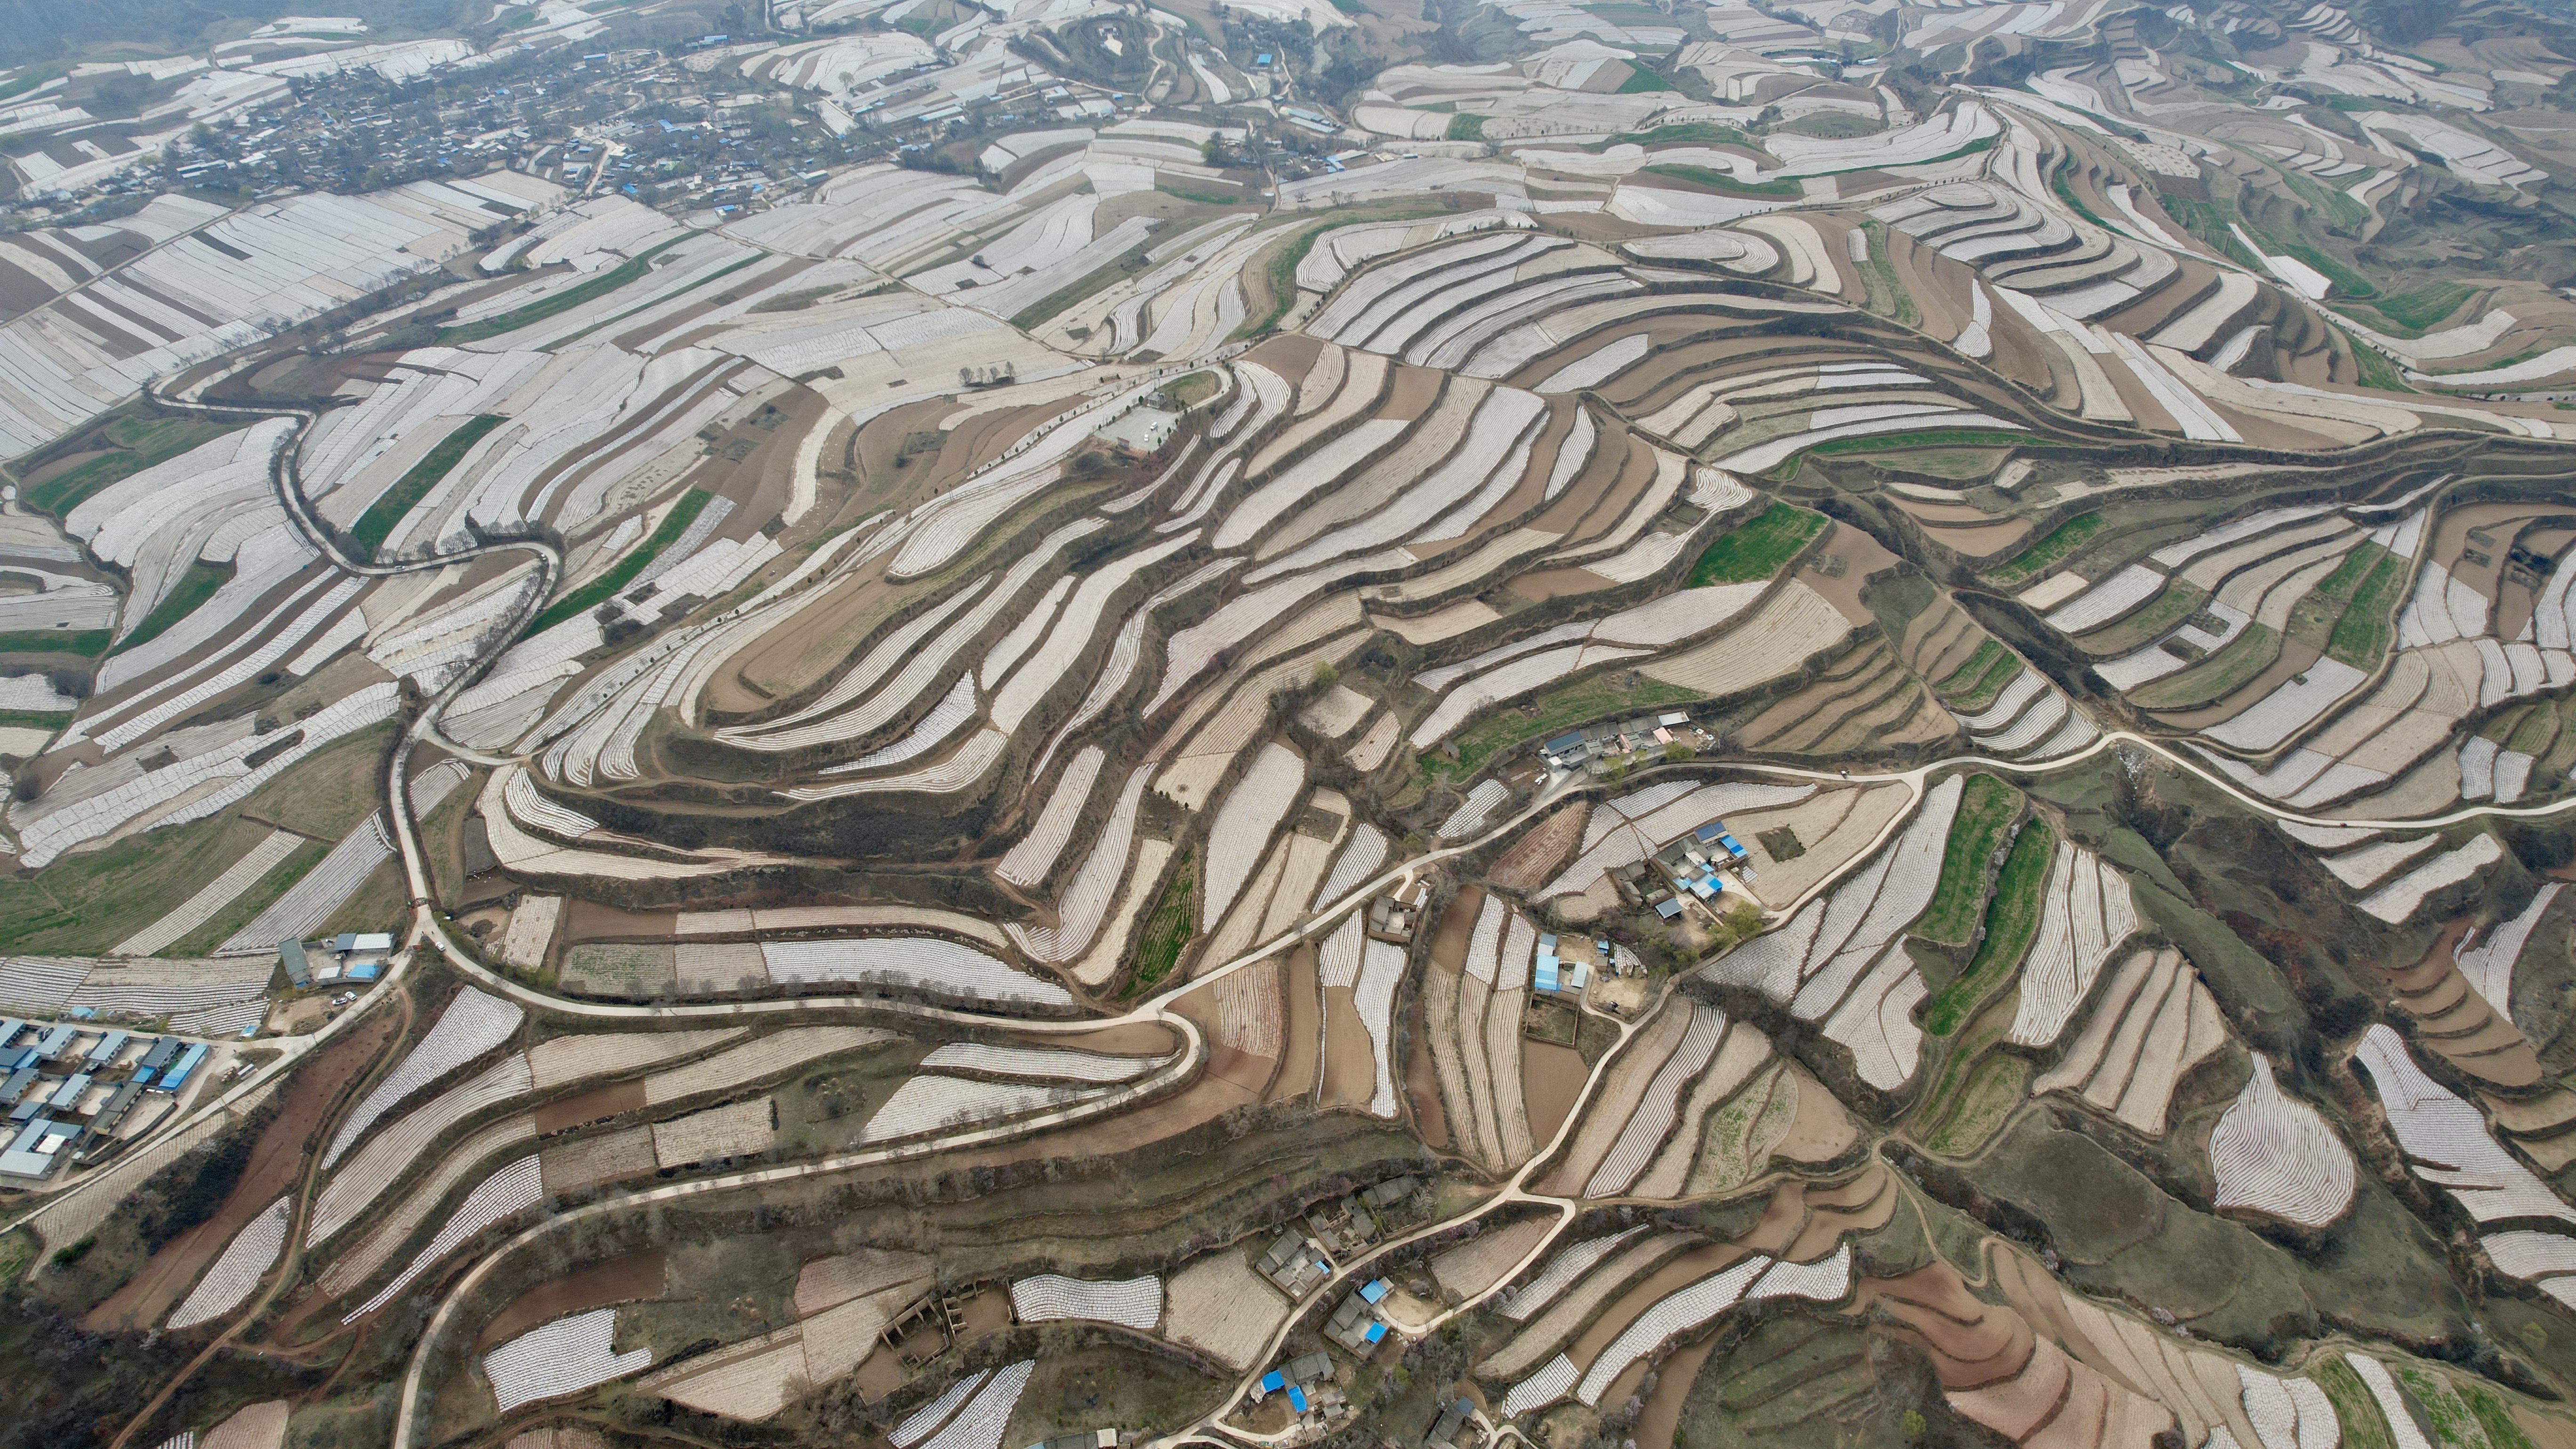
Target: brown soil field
x,y
1241,1068
1862,556
1636,475
2026,358
601,1285
1663,1413
1609,462
2458,1023
1301,1034
1350,1067
1132,1039
1821,1130
1449,946
784,661
153,1292
1410,392
1429,1121
1534,858
1202,1101
1545,584
1552,1078
1970,1342
588,920
1289,354
591,1106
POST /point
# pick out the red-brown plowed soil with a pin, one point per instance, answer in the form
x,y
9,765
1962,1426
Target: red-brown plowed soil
x,y
590,1106
153,1292
1429,1122
1663,1412
1350,1065
1551,1078
1301,1030
1449,947
601,1285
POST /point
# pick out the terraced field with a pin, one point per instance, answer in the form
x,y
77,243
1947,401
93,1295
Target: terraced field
x,y
1075,724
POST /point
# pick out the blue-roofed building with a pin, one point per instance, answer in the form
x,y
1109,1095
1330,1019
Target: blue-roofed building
x,y
10,1026
1297,1398
1374,1290
164,1051
54,1041
177,1077
68,1094
14,1089
1669,908
1545,973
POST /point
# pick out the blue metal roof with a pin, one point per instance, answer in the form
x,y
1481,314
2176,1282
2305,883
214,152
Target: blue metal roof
x,y
1373,1290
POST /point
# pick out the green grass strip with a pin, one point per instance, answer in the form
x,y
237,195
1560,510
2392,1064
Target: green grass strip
x,y
2363,632
558,304
140,443
1586,699
1931,438
1283,267
1758,549
1641,80
377,523
88,643
1204,198
42,719
2062,540
1709,179
1167,931
2012,918
1466,126
1985,672
1986,808
195,586
599,590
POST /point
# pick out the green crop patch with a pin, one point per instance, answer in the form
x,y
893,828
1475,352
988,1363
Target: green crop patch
x,y
133,443
1709,179
1679,134
1973,685
1928,438
1641,79
2062,540
2412,311
1203,198
1558,711
2366,626
1757,550
195,586
1466,126
599,590
1987,807
382,516
1167,931
2012,918
88,643
558,303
